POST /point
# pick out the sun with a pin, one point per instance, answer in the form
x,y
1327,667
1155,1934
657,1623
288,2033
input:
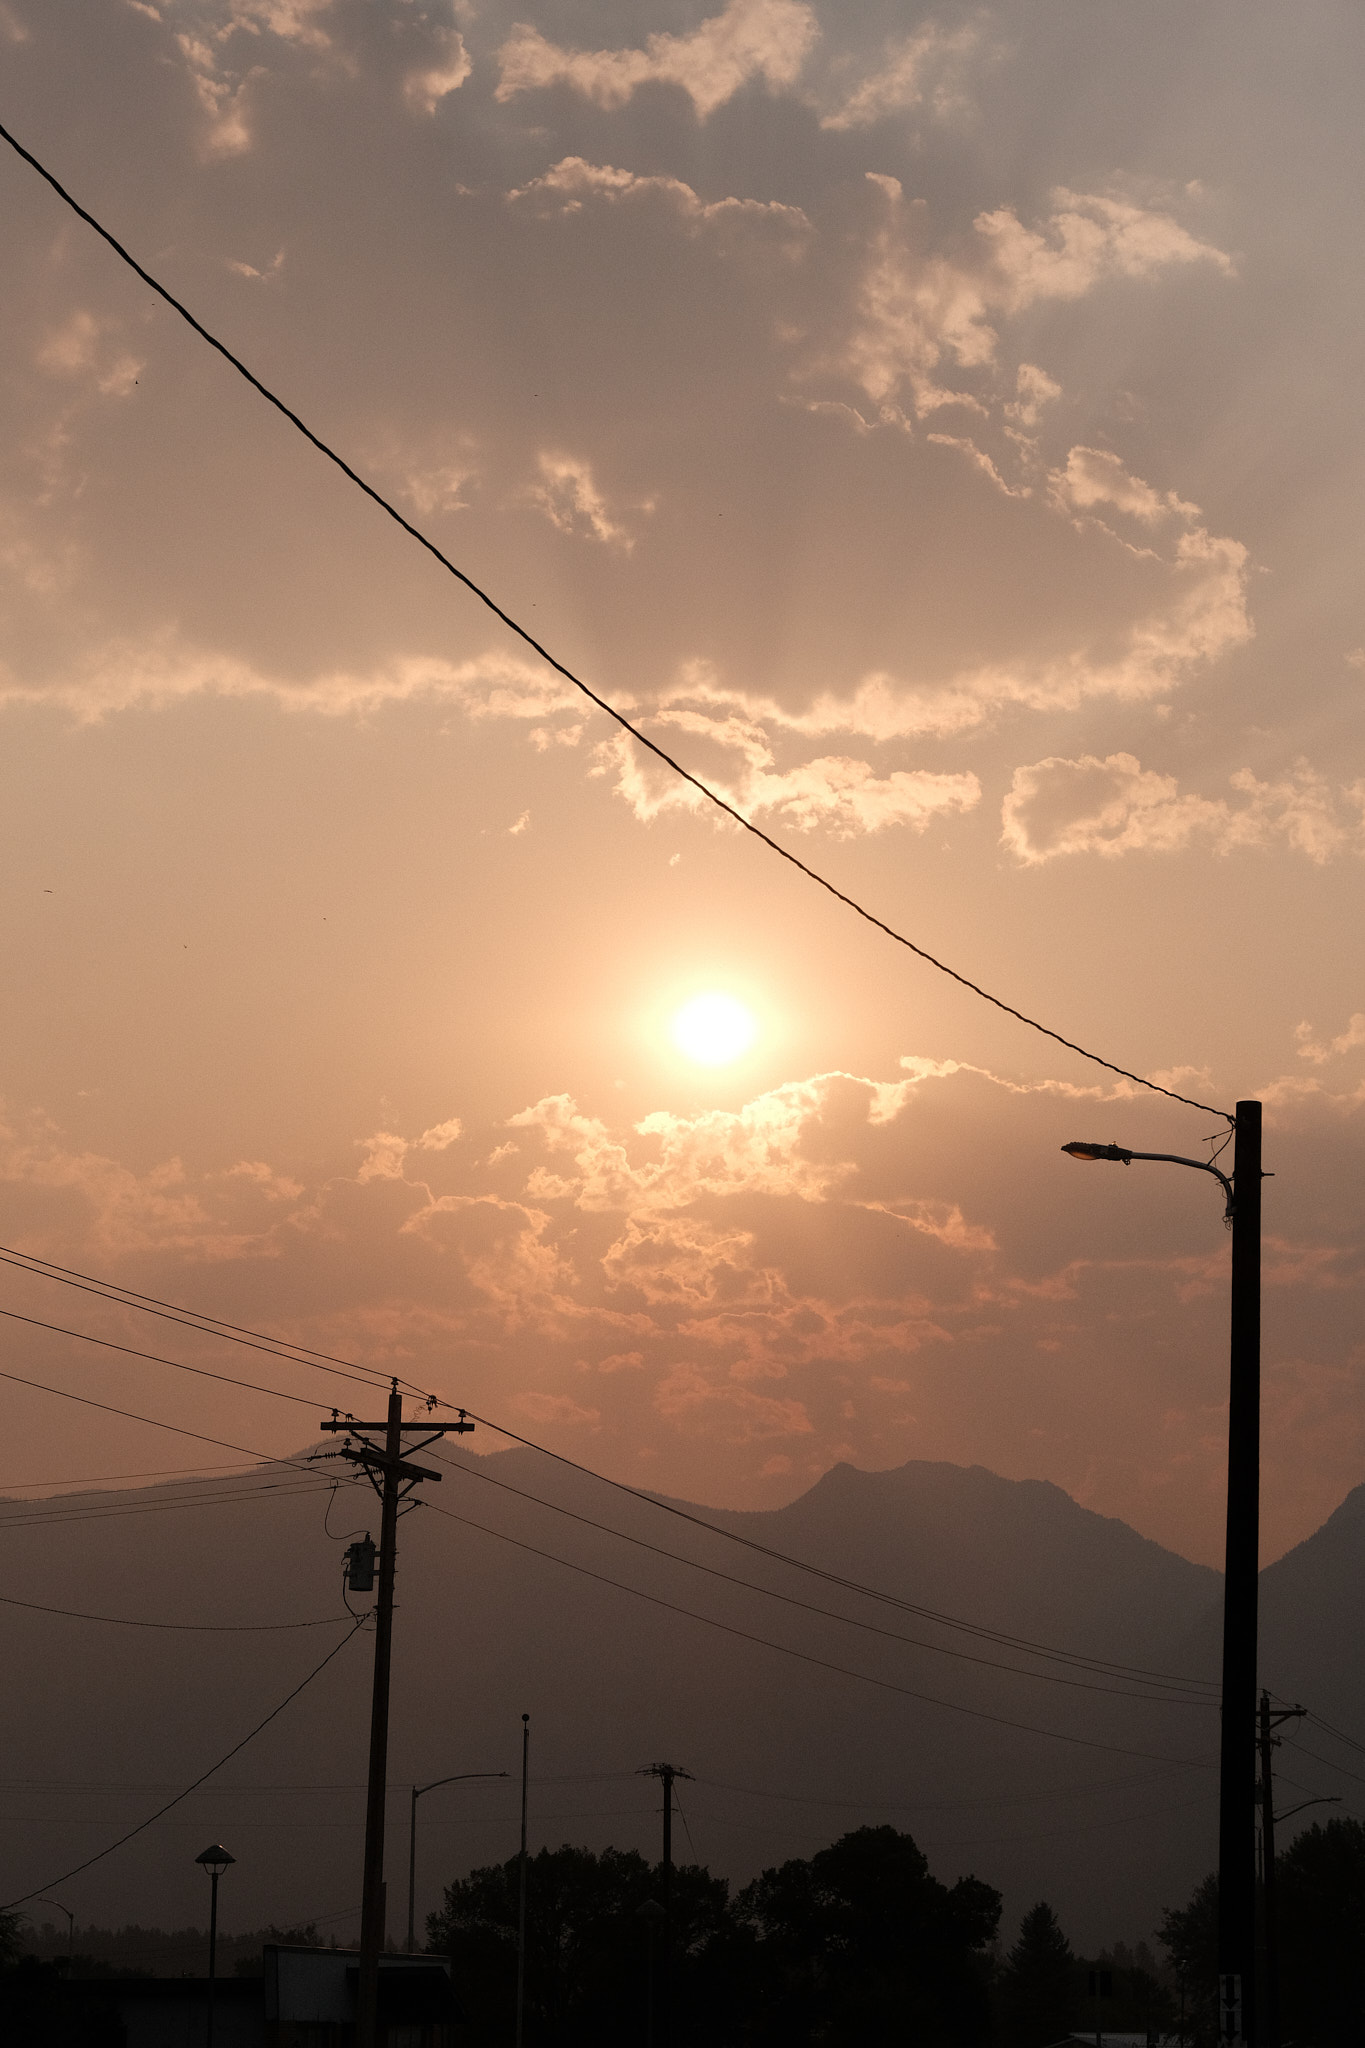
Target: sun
x,y
713,1029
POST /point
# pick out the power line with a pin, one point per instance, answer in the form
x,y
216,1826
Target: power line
x,y
197,1319
1074,1658
828,1613
821,1663
86,1480
641,738
1338,1733
274,1491
131,1415
51,1883
210,1628
154,1358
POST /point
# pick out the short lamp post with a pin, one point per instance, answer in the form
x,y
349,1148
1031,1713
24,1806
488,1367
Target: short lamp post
x,y
215,1859
1237,1765
459,1778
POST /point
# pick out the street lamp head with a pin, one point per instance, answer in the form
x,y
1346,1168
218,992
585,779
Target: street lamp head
x,y
1080,1150
215,1859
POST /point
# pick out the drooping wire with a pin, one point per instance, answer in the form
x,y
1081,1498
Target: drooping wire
x,y
51,1883
820,1663
1045,1650
202,1372
641,738
1183,1698
206,1628
207,1325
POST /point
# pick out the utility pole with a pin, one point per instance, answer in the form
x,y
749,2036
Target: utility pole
x,y
666,1773
393,1478
521,1883
1271,1718
1237,1762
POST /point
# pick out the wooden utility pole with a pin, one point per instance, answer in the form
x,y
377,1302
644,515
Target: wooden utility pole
x,y
393,1478
521,1883
1237,1760
666,1773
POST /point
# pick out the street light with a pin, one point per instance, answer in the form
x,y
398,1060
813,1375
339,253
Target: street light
x,y
459,1778
42,1900
215,1860
1237,1762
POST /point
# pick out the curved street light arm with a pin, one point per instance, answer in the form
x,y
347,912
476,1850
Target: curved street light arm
x,y
459,1778
1332,1799
1126,1158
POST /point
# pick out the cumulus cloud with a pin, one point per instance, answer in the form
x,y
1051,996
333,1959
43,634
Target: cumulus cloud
x,y
767,40
923,69
840,794
1114,806
1319,1052
917,308
425,89
573,184
163,670
570,498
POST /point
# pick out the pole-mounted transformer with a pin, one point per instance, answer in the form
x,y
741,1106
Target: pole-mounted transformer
x,y
358,1565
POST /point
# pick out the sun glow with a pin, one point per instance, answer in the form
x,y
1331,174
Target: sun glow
x,y
713,1029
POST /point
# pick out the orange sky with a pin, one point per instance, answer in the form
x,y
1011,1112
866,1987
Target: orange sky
x,y
930,425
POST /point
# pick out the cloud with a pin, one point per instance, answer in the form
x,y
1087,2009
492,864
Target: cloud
x,y
1114,806
714,1406
425,89
837,793
924,68
1345,1041
917,308
78,350
569,497
573,184
162,670
751,39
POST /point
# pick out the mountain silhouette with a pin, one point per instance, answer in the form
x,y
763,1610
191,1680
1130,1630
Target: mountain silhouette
x,y
1084,1782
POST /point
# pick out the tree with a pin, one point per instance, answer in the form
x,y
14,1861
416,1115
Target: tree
x,y
861,1942
587,1947
1038,1983
1321,1900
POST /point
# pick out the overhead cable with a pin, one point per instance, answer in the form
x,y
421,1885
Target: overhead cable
x,y
821,1663
203,1628
641,738
654,1500
51,1883
1169,1698
197,1319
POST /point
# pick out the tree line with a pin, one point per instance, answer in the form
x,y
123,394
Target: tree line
x,y
861,1943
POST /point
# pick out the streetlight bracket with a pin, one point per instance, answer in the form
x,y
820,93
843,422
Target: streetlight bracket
x,y
1081,1149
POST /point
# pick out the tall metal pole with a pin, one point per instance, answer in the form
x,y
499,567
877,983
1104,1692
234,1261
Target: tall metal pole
x,y
666,1974
412,1873
521,1882
1237,1770
214,1875
372,1895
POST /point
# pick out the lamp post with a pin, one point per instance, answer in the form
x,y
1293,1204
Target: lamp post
x,y
459,1778
1237,1760
215,1860
42,1900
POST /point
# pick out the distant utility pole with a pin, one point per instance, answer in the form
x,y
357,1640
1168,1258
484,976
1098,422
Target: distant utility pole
x,y
521,1883
666,1773
393,1478
1271,1718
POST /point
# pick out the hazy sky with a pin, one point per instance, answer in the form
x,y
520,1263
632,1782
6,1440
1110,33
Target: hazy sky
x,y
938,427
